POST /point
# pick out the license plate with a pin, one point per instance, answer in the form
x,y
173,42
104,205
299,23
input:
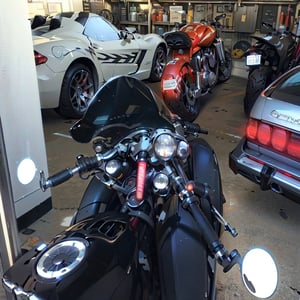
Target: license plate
x,y
253,60
169,84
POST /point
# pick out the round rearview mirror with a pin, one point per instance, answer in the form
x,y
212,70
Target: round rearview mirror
x,y
259,273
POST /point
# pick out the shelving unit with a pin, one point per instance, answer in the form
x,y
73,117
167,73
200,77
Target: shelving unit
x,y
141,27
162,27
241,20
134,14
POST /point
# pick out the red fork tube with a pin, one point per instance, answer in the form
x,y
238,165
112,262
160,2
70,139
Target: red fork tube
x,y
141,177
140,180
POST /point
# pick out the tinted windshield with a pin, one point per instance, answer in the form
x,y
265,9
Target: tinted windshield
x,y
99,29
120,106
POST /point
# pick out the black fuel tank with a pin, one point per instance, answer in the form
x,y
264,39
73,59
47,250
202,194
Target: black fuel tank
x,y
90,260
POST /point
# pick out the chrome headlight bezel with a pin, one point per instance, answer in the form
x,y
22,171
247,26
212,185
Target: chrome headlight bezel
x,y
165,146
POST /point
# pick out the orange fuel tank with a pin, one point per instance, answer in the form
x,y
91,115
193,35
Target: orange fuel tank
x,y
202,35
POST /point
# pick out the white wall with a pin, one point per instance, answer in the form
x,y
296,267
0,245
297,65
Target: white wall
x,y
20,110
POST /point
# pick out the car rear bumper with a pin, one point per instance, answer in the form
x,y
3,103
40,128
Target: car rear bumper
x,y
269,175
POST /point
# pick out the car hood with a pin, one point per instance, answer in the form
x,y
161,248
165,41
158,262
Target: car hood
x,y
277,112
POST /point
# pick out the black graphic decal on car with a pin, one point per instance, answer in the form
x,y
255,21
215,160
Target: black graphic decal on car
x,y
117,58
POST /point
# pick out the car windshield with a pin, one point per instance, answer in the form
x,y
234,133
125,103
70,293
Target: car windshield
x,y
288,89
120,106
99,29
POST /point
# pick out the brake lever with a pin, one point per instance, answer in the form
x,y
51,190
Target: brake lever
x,y
227,226
204,191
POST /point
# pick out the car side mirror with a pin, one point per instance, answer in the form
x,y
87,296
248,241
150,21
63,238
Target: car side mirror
x,y
124,34
259,273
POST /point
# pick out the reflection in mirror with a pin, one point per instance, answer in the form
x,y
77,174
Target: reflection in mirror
x,y
259,273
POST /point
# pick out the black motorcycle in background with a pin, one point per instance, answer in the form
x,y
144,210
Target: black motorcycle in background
x,y
267,59
148,225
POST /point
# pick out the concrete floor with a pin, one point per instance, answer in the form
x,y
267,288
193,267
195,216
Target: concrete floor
x,y
261,218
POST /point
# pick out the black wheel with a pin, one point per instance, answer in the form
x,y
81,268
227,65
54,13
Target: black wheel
x,y
189,106
78,88
225,68
106,13
158,64
258,79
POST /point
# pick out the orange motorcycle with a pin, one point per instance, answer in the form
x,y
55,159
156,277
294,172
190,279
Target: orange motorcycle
x,y
199,61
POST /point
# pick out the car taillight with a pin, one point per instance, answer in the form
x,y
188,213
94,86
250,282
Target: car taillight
x,y
39,58
251,129
271,136
264,134
279,139
293,147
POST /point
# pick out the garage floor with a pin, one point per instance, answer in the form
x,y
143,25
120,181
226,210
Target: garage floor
x,y
261,218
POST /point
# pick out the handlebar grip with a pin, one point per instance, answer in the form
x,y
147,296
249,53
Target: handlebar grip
x,y
194,128
56,179
84,164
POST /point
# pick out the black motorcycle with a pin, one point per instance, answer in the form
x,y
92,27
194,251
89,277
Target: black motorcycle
x,y
267,59
148,225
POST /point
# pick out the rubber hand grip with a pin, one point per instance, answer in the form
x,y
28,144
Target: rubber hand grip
x,y
60,177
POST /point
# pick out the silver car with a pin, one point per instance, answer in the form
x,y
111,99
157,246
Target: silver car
x,y
269,153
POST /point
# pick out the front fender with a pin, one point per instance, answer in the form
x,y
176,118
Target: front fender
x,y
171,79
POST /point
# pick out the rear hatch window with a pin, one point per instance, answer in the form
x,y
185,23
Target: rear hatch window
x,y
287,89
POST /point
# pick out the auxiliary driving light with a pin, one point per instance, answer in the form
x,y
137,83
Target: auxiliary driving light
x,y
112,167
183,150
161,181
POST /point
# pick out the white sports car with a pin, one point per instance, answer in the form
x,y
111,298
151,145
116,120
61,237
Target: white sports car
x,y
77,52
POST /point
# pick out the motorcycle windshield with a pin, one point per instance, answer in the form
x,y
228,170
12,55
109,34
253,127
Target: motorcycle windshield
x,y
120,106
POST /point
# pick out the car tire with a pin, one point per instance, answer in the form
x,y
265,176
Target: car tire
x,y
77,90
158,64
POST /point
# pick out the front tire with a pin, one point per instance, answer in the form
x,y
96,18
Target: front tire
x,y
78,88
204,168
158,64
258,80
186,105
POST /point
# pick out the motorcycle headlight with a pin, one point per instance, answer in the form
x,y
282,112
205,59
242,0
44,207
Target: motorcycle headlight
x,y
165,146
161,181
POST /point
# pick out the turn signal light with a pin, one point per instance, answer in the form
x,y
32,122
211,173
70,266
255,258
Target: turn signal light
x,y
274,137
39,58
